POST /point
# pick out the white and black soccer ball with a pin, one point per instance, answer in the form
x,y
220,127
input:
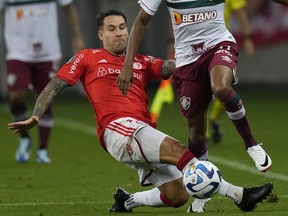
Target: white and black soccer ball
x,y
202,179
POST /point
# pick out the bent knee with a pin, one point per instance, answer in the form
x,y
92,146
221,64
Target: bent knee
x,y
221,92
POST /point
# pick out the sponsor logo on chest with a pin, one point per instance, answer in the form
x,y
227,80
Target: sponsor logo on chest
x,y
194,17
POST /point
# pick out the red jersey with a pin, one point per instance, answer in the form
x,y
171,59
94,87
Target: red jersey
x,y
98,70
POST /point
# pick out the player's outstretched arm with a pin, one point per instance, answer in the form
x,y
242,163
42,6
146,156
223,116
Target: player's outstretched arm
x,y
45,100
125,78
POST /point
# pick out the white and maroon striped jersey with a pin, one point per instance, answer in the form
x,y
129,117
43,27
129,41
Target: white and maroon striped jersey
x,y
198,25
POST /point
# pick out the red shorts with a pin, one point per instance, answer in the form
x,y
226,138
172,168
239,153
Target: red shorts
x,y
192,81
22,75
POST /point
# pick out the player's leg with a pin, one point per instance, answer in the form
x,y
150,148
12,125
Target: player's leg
x,y
18,80
197,128
169,194
144,151
194,94
192,85
215,111
222,76
42,74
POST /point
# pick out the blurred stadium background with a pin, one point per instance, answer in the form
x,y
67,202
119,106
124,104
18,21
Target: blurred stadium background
x,y
269,22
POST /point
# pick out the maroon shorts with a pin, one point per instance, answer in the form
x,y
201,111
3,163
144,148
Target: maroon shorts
x,y
192,81
23,75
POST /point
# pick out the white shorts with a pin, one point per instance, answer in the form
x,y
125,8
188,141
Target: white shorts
x,y
137,144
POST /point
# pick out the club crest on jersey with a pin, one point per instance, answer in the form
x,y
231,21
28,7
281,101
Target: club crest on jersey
x,y
198,48
194,17
185,102
137,65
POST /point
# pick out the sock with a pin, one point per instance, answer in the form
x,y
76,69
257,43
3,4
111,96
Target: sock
x,y
44,130
147,198
231,191
185,160
236,112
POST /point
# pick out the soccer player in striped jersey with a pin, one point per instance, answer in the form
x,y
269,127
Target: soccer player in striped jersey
x,y
206,60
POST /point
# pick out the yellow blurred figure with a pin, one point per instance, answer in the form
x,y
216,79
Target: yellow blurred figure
x,y
236,7
165,92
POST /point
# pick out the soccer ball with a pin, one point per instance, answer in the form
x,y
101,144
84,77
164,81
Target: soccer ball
x,y
202,179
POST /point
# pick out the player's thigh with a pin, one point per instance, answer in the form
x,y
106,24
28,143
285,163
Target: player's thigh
x,y
142,147
18,76
147,142
139,144
222,67
193,88
159,174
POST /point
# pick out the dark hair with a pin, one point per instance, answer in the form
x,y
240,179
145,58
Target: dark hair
x,y
111,12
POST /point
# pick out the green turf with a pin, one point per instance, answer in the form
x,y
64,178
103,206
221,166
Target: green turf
x,y
82,177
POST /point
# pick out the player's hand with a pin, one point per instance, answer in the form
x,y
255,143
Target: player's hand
x,y
16,127
125,80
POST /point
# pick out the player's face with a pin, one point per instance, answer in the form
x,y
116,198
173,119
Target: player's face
x,y
114,34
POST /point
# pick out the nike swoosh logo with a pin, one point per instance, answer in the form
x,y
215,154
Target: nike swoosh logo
x,y
265,163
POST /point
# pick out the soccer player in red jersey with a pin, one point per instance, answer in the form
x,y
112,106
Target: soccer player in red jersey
x,y
125,129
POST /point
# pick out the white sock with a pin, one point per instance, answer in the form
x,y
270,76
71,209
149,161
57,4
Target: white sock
x,y
147,198
231,191
194,160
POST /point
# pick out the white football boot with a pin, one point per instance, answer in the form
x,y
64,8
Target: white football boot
x,y
261,159
23,151
42,156
198,205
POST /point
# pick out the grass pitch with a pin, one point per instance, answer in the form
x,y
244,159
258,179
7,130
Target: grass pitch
x,y
82,176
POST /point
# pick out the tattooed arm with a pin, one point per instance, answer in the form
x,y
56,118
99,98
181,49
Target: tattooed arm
x,y
45,99
168,68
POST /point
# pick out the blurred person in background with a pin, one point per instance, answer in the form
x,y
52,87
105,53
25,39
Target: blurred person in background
x,y
124,126
33,53
215,111
283,2
206,59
